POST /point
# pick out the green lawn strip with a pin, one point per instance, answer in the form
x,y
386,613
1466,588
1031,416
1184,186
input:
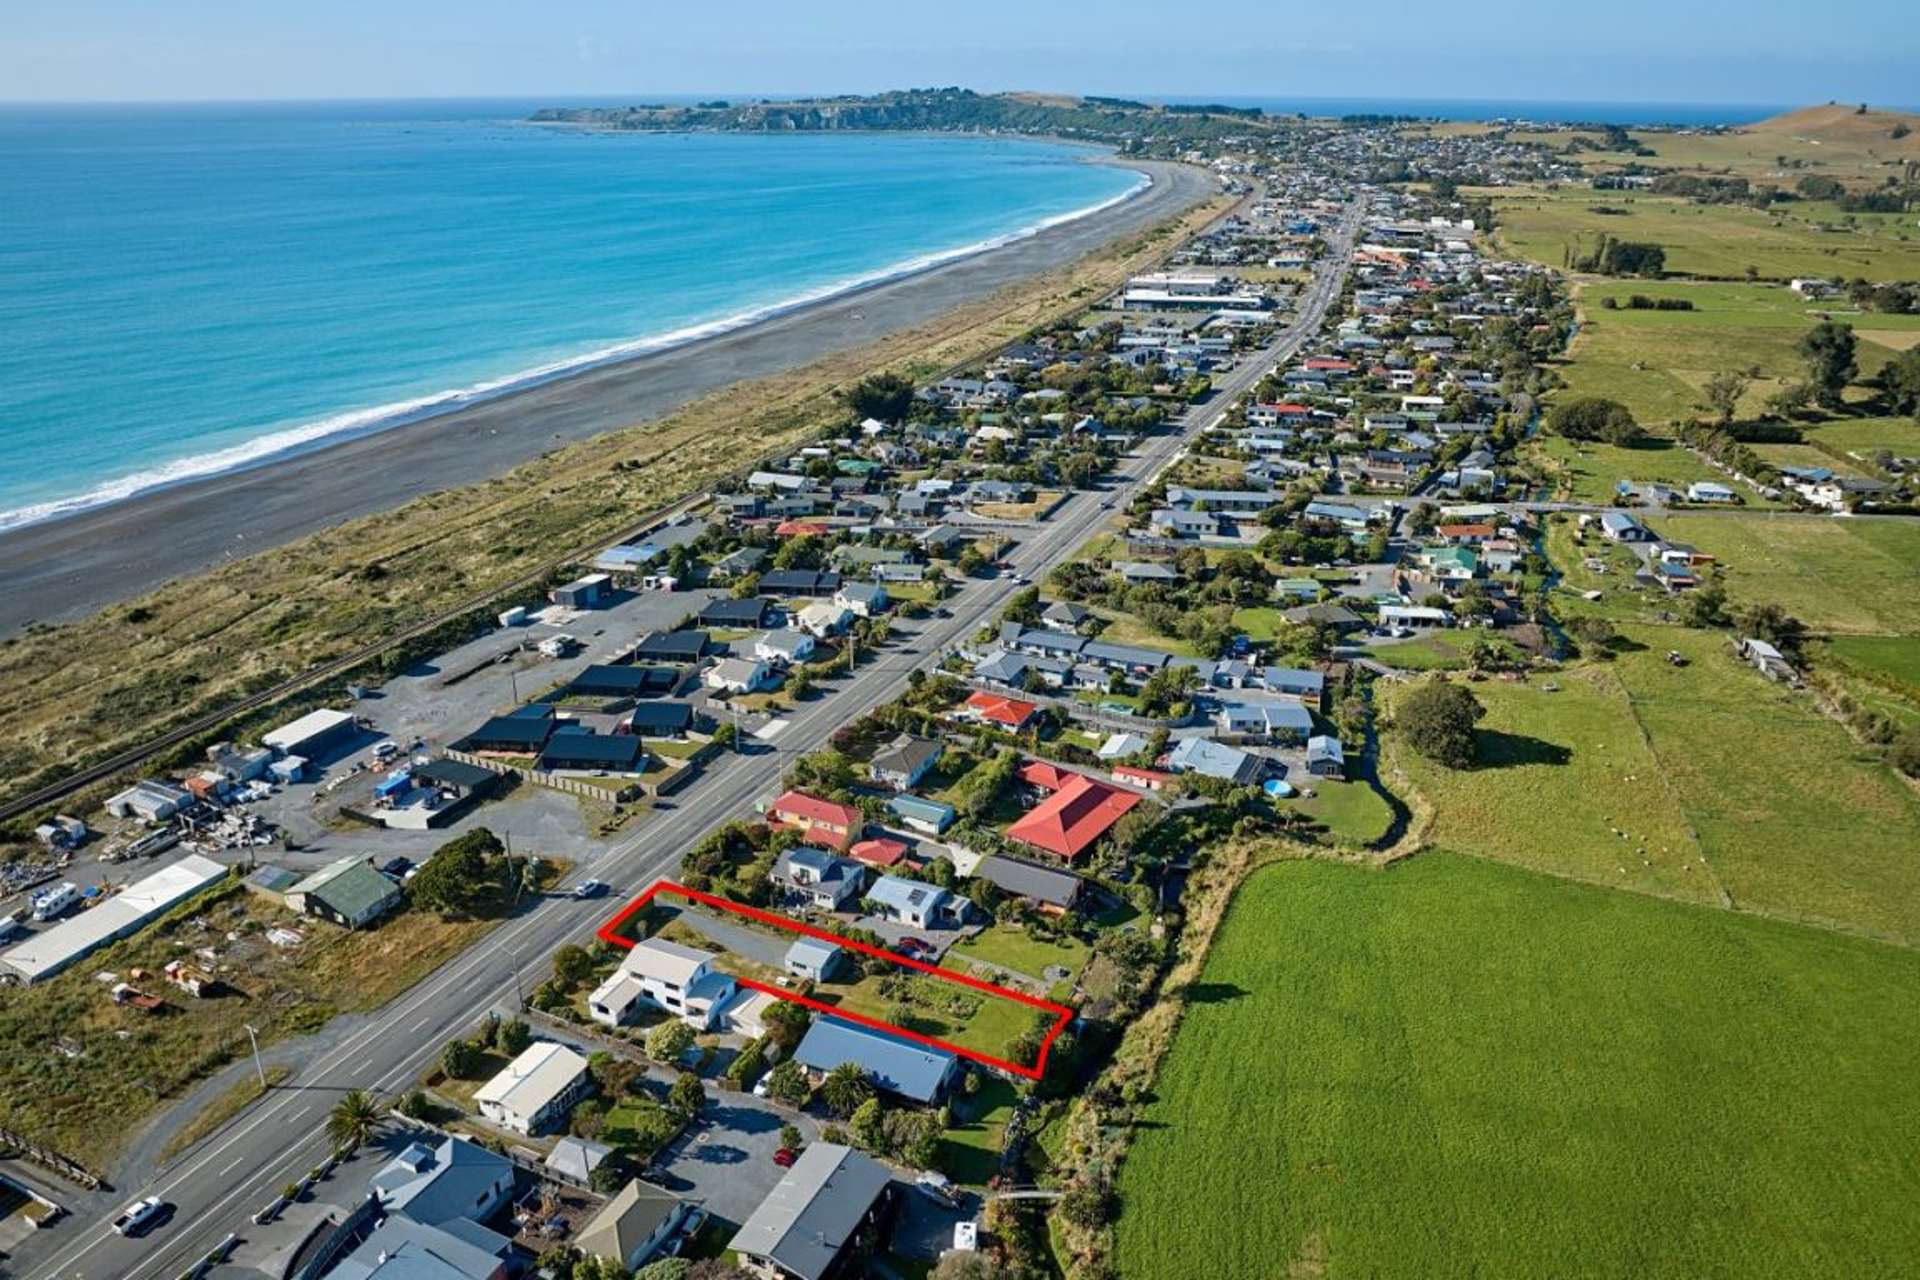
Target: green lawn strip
x,y
1892,661
970,1150
640,1126
1456,1068
1352,811
1012,947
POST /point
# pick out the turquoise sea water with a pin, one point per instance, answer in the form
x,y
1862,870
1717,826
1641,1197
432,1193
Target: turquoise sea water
x,y
187,289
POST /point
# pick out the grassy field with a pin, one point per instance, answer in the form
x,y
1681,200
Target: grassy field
x,y
1459,1069
1890,660
1712,241
1898,435
1570,787
1793,819
1589,472
1444,650
1838,575
76,693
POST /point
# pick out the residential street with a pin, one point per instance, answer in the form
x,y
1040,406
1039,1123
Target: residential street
x,y
229,1176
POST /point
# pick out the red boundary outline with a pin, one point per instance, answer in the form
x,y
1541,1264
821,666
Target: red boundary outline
x,y
608,932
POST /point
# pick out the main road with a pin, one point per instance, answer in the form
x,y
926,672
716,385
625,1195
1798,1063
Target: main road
x,y
242,1166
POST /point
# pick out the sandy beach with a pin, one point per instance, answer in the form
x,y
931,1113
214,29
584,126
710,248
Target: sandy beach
x,y
69,567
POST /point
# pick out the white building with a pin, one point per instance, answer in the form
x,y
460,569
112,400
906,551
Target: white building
x,y
823,619
666,976
536,1089
737,675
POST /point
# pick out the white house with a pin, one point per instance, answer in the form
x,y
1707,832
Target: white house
x,y
867,599
738,675
667,976
784,648
1708,491
536,1089
910,902
823,619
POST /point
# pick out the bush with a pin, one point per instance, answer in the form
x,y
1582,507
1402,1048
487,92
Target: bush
x,y
460,1059
1594,418
666,1042
1438,719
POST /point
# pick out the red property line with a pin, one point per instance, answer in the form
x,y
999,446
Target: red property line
x,y
609,932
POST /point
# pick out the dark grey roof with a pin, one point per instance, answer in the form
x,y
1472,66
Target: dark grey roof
x,y
807,1219
685,645
592,751
1024,879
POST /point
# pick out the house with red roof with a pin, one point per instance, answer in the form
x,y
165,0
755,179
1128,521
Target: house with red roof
x,y
993,708
1045,776
821,821
1462,535
1274,415
1147,779
1068,822
879,853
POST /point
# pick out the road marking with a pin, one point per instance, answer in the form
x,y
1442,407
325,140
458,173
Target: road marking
x,y
237,1162
423,1022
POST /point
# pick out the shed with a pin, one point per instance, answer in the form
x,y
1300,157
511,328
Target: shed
x,y
813,958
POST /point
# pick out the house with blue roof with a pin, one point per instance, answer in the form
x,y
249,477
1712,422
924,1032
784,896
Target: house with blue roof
x,y
437,1184
920,1073
1212,759
929,817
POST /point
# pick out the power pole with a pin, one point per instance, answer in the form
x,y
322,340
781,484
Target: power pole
x,y
259,1070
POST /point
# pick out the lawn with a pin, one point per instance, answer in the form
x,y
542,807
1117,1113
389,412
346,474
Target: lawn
x,y
946,1010
1893,661
1569,786
1455,1068
640,1126
1260,624
1867,435
1012,948
1444,650
1793,818
970,1150
1833,574
1352,811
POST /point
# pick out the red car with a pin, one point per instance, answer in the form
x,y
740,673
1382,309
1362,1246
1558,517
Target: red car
x,y
915,947
784,1158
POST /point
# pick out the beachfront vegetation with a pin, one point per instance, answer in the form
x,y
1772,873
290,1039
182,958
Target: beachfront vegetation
x,y
1459,1069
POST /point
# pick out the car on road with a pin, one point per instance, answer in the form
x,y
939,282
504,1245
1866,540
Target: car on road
x,y
139,1216
591,888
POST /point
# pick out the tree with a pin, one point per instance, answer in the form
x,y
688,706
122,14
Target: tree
x,y
664,1269
572,965
688,1095
460,1059
845,1088
666,1042
1438,719
726,735
1594,418
786,1023
352,1120
1706,606
1087,1205
1791,400
1773,624
956,1265
1721,395
1829,350
788,1083
790,1137
885,396
459,876
511,1036
865,1124
589,1119
1901,381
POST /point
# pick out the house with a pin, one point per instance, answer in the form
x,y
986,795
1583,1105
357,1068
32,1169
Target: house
x,y
452,1180
1174,523
1310,687
912,903
1263,720
312,734
659,720
918,813
1068,822
1135,572
881,852
1119,746
816,876
1048,888
1336,617
863,599
904,762
1767,660
577,751
821,821
1708,491
574,1159
149,801
604,680
678,647
832,1199
823,619
799,582
1415,616
737,564
1145,779
917,1072
347,891
1212,759
1065,616
582,593
738,675
663,975
1325,758
536,1090
784,648
1618,526
633,1226
814,959
401,1249
991,708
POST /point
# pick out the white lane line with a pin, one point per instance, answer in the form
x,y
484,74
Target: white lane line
x,y
237,1162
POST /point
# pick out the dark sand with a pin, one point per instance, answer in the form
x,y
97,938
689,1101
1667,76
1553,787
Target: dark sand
x,y
68,568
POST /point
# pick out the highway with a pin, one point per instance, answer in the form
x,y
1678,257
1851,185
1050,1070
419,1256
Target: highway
x,y
221,1182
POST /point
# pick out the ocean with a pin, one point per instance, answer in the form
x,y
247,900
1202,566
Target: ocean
x,y
189,289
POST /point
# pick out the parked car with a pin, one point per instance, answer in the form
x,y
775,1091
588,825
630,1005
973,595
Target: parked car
x,y
397,867
915,947
139,1215
784,1158
937,1185
590,888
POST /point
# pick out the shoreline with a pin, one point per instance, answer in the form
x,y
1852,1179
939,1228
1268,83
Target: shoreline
x,y
286,442
70,565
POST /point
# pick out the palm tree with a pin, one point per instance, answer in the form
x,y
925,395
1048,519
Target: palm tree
x,y
845,1088
352,1120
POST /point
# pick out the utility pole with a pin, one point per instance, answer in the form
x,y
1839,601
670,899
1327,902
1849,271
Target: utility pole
x,y
254,1040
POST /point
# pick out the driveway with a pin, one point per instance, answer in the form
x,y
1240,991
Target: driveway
x,y
726,1160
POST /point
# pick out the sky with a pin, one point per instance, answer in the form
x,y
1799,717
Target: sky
x,y
1749,51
